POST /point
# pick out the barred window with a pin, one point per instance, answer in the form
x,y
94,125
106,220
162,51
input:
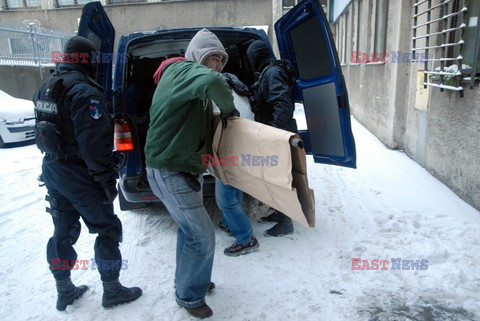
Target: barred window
x,y
69,3
381,12
18,4
446,33
289,3
128,1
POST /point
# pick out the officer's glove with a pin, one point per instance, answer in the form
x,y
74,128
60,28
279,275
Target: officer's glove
x,y
110,193
225,116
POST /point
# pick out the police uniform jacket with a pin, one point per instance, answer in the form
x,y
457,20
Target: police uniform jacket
x,y
77,106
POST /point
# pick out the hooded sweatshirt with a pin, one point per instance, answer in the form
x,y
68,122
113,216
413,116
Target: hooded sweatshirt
x,y
181,113
204,44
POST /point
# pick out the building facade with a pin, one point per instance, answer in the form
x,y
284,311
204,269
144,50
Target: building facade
x,y
412,72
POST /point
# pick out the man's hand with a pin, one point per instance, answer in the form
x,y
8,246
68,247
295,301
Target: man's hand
x,y
110,193
225,116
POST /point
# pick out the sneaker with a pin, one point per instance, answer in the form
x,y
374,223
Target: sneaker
x,y
211,288
274,217
224,228
200,312
239,249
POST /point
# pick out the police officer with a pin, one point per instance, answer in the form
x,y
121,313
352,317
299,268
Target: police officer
x,y
74,130
273,104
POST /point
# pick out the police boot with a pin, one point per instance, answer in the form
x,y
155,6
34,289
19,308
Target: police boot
x,y
67,292
115,293
284,227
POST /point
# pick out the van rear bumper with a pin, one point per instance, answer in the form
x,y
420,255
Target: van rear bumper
x,y
136,190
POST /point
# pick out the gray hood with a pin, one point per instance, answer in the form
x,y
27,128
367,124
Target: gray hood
x,y
203,44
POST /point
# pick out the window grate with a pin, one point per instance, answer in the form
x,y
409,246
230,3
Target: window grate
x,y
438,34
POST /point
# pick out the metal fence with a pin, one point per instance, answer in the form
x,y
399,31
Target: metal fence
x,y
30,45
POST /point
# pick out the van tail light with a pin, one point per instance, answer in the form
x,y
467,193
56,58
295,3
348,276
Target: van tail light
x,y
122,137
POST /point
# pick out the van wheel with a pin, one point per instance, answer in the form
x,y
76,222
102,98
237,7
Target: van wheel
x,y
126,205
2,143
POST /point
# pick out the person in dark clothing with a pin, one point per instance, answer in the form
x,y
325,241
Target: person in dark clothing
x,y
273,104
74,131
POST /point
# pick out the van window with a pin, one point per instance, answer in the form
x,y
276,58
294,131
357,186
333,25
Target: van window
x,y
311,50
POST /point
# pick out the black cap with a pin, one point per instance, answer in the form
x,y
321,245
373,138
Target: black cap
x,y
78,45
258,54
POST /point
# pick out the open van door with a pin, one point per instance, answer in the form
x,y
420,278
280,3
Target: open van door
x,y
95,25
304,38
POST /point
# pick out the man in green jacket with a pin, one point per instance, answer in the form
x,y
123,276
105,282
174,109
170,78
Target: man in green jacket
x,y
180,132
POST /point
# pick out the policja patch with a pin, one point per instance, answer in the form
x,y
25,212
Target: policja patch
x,y
94,108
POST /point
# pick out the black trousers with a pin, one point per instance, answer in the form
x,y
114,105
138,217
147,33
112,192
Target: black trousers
x,y
73,193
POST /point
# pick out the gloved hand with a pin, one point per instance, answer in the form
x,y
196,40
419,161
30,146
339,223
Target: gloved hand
x,y
110,193
225,116
236,84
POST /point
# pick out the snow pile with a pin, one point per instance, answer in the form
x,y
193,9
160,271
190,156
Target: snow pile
x,y
389,207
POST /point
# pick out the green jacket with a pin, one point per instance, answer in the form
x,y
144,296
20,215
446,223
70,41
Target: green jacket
x,y
181,122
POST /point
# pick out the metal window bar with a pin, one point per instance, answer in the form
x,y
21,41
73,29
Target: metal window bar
x,y
443,45
442,18
473,74
445,59
458,73
423,12
451,20
419,3
463,25
429,17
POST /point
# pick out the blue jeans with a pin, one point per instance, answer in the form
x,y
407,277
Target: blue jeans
x,y
229,200
195,236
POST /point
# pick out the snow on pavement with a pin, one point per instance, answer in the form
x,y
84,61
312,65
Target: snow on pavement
x,y
389,207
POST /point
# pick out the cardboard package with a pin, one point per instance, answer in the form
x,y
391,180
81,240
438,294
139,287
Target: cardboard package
x,y
259,160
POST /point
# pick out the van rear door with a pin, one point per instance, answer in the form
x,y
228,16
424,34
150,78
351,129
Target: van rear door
x,y
96,26
304,38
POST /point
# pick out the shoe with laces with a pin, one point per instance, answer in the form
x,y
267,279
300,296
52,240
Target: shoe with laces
x,y
68,292
240,249
224,228
211,288
114,293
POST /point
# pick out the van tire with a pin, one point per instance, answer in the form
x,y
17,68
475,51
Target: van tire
x,y
2,143
126,205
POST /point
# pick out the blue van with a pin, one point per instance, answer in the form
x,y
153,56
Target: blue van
x,y
304,38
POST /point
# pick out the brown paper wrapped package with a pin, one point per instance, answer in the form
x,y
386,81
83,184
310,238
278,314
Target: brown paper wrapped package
x,y
281,184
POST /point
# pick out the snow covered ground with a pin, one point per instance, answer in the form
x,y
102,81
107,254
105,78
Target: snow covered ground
x,y
389,207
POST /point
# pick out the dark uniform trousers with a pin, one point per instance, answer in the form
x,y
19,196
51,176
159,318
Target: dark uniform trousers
x,y
73,193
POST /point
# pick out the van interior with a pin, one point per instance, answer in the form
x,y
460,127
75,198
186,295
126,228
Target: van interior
x,y
145,55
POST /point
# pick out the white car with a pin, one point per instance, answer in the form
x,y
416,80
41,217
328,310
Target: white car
x,y
17,119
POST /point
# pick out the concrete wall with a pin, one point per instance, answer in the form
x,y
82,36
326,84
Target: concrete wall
x,y
22,81
377,91
136,17
444,138
152,16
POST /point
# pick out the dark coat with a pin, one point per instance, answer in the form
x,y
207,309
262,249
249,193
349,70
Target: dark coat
x,y
79,109
274,98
